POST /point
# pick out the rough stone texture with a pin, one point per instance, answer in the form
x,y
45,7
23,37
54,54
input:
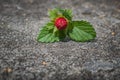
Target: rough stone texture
x,y
23,58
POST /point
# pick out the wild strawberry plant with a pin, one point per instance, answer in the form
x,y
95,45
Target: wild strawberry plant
x,y
61,26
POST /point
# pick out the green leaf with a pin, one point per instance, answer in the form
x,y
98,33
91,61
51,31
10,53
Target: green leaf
x,y
82,31
67,13
53,14
49,33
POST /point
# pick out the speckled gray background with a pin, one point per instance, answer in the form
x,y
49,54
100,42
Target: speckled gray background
x,y
23,58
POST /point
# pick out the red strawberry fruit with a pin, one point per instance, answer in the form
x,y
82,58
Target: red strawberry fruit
x,y
61,23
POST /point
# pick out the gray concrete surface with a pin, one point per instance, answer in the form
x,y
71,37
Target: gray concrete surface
x,y
23,58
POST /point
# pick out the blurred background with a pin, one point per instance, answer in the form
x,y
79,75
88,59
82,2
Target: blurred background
x,y
39,8
23,58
